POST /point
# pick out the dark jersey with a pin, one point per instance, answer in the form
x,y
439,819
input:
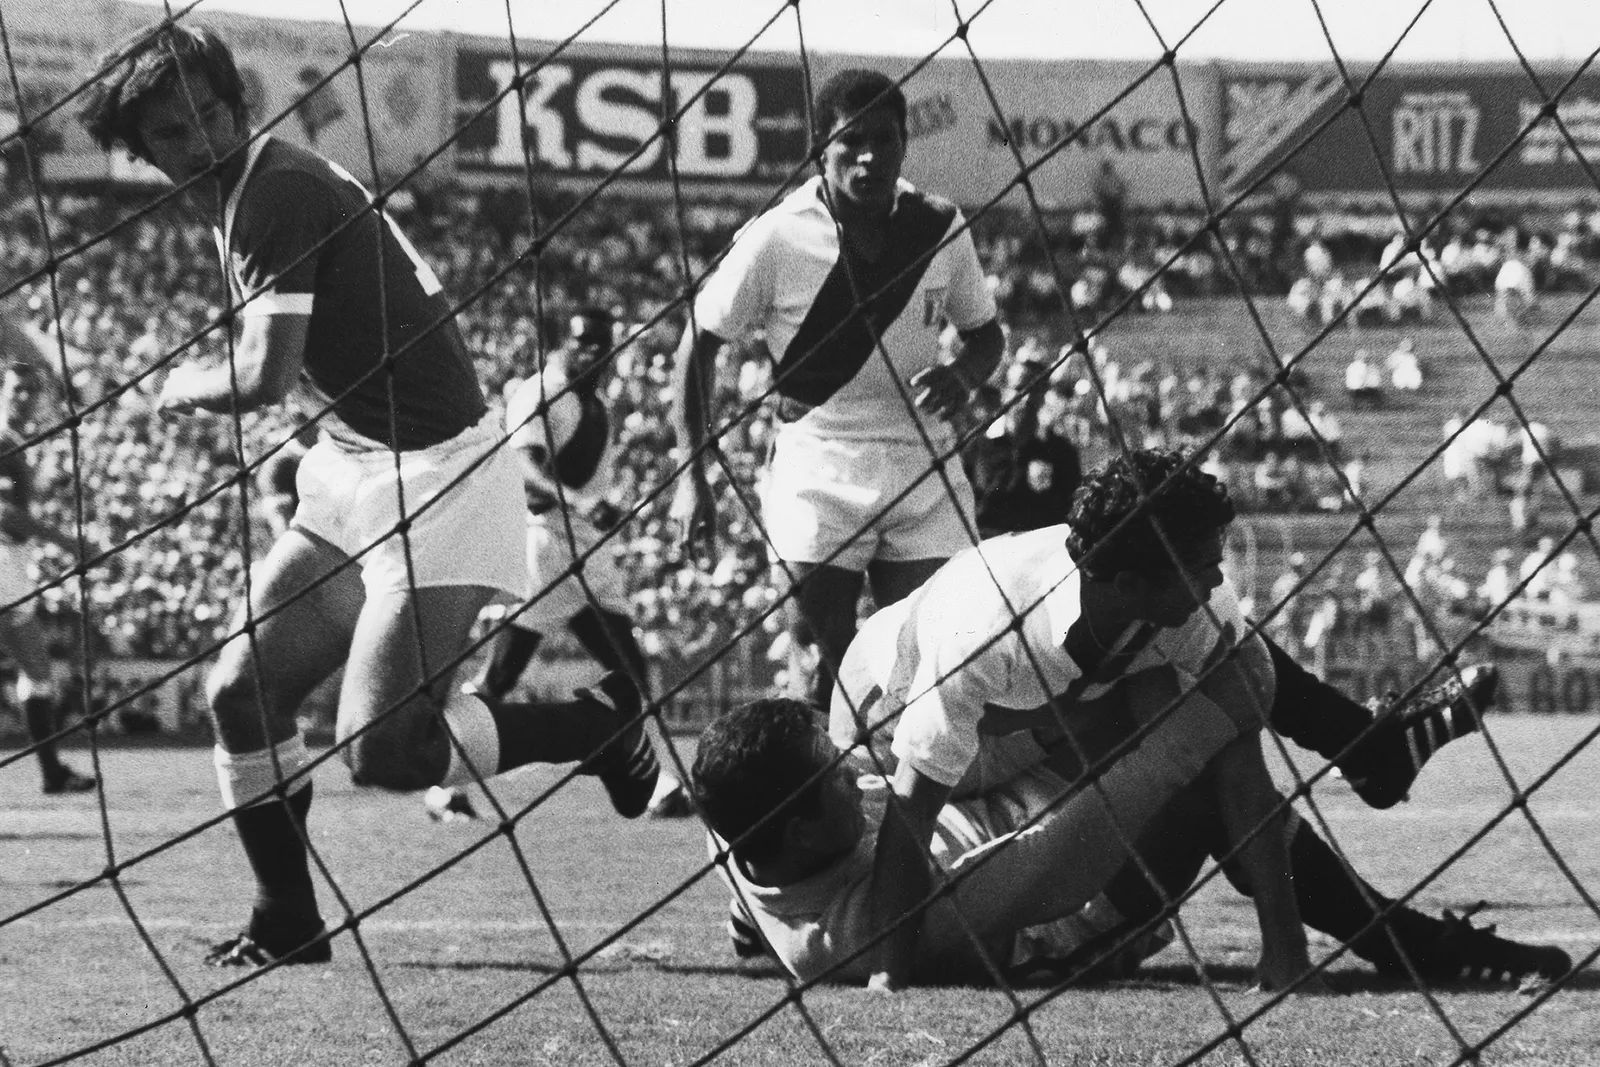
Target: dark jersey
x,y
301,237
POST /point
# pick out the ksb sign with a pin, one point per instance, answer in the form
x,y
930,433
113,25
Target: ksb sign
x,y
591,115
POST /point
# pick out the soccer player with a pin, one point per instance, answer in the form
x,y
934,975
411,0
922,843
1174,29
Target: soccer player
x,y
409,520
22,640
850,279
1055,634
561,429
805,857
812,858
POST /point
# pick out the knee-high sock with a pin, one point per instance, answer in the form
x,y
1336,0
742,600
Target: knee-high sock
x,y
608,637
39,712
1340,903
1312,713
270,827
499,736
508,658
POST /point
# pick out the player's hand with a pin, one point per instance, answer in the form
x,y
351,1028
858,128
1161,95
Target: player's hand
x,y
180,393
941,390
880,982
695,514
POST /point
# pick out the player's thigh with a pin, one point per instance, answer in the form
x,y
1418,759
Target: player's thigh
x,y
404,654
290,634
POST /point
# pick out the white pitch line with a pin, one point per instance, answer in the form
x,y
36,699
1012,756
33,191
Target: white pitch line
x,y
1207,932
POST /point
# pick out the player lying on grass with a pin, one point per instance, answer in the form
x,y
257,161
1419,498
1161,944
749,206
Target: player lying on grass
x,y
953,659
1191,696
410,517
812,857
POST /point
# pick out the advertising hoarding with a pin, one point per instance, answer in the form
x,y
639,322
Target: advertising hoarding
x,y
586,111
1433,131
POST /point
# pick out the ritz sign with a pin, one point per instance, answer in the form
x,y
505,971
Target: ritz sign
x,y
595,117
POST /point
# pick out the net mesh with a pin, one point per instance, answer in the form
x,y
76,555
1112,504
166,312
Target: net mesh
x,y
166,525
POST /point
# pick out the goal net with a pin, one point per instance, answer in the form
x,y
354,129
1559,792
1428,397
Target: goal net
x,y
1356,292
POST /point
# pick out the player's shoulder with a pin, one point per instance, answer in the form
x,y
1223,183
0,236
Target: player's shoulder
x,y
286,177
802,207
924,206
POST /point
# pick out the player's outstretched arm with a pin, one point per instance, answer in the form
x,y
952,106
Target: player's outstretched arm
x,y
694,372
1255,821
266,362
901,873
946,388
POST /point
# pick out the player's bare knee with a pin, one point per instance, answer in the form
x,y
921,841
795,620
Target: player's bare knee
x,y
392,753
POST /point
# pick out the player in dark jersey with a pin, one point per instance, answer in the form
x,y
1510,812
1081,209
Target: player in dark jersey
x,y
409,520
22,638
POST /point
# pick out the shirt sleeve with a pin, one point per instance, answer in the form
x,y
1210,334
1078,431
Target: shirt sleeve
x,y
945,672
539,415
968,303
735,300
283,221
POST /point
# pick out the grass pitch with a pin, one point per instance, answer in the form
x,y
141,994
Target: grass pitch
x,y
613,950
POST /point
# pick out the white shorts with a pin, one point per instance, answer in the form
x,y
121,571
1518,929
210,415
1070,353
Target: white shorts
x,y
554,593
15,584
466,520
823,496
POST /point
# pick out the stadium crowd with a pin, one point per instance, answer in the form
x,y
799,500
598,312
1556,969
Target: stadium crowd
x,y
167,515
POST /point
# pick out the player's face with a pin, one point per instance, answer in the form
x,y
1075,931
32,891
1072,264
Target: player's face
x,y
186,130
861,162
841,823
1169,597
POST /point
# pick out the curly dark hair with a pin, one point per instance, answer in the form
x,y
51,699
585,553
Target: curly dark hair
x,y
758,763
1160,489
851,92
146,63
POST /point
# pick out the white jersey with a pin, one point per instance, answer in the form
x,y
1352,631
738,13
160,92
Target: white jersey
x,y
950,660
824,314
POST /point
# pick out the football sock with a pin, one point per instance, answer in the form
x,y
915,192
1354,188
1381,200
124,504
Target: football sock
x,y
513,648
271,828
593,729
1312,713
39,712
608,637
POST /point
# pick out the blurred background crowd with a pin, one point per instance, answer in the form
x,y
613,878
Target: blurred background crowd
x,y
169,527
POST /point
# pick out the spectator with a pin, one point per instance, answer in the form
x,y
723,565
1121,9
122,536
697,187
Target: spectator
x,y
1404,367
1363,382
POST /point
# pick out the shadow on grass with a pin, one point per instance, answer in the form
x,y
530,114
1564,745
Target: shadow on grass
x,y
1179,975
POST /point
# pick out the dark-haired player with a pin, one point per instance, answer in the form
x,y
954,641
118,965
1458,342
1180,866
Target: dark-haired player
x,y
1028,870
850,279
559,425
1066,638
409,519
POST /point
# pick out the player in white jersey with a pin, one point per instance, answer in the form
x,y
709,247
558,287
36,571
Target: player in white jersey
x,y
561,429
39,677
849,280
